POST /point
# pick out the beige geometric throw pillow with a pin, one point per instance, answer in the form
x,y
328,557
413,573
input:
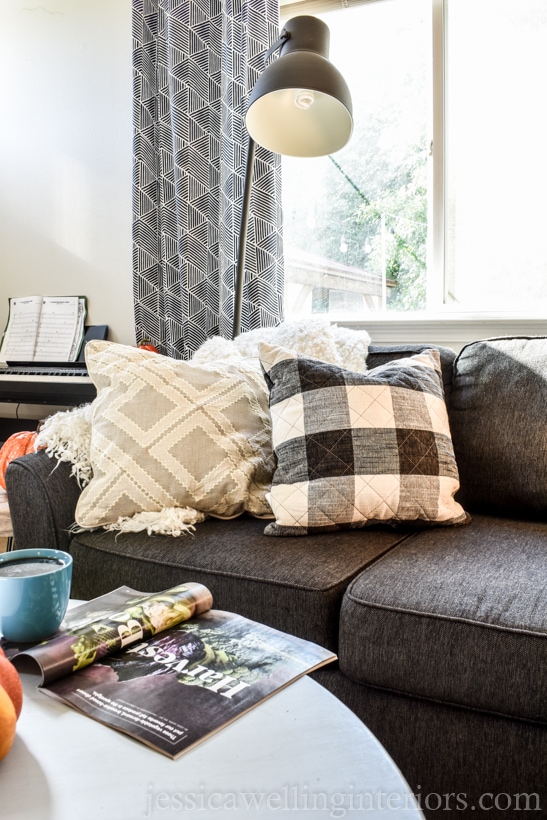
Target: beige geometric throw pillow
x,y
171,434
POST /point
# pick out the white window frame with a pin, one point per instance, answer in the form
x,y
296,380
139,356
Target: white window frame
x,y
448,328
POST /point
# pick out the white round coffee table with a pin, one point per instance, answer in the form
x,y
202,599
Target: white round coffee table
x,y
300,751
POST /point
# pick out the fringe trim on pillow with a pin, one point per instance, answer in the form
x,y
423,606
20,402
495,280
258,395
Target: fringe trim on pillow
x,y
174,521
66,436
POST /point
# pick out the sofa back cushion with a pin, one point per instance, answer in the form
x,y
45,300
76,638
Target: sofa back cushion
x,y
498,418
382,354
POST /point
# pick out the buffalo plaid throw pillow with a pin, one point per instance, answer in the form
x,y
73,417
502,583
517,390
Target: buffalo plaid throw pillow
x,y
354,449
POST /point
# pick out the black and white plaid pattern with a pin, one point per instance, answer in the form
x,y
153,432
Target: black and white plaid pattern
x,y
354,449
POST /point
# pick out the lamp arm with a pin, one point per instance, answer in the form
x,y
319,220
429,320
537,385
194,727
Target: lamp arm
x,y
283,37
242,243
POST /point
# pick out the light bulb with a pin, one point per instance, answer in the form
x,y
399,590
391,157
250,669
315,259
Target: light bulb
x,y
304,99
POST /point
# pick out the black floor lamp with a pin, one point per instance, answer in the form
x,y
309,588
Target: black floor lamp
x,y
300,106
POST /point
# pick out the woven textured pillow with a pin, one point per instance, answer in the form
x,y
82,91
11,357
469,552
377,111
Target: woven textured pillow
x,y
170,434
354,449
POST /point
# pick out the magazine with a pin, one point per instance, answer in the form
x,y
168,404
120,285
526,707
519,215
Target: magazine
x,y
164,667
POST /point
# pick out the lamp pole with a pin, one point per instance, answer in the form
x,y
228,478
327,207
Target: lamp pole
x,y
299,106
242,243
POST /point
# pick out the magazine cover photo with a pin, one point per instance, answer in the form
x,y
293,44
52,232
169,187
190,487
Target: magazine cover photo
x,y
164,667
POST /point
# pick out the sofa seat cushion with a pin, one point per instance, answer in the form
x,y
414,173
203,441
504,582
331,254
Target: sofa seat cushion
x,y
458,616
293,584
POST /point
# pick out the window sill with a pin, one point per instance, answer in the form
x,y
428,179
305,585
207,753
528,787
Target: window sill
x,y
449,330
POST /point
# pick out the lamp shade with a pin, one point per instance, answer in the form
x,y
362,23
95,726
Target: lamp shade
x,y
300,105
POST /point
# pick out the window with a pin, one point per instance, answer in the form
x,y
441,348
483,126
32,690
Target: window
x,y
437,203
496,167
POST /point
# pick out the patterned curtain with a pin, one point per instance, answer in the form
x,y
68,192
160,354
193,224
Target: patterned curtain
x,y
194,64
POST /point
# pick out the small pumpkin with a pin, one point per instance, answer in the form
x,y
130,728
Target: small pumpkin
x,y
17,445
147,344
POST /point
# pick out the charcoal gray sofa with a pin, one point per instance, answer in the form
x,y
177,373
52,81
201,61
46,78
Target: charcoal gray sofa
x,y
441,632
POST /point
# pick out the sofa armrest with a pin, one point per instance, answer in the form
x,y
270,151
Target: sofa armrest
x,y
42,499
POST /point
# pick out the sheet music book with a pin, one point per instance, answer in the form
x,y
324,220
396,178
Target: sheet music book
x,y
44,329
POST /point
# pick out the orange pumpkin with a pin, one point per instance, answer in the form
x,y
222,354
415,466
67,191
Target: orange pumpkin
x,y
147,344
19,444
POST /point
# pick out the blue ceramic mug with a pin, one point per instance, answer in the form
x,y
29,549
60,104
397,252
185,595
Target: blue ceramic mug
x,y
34,593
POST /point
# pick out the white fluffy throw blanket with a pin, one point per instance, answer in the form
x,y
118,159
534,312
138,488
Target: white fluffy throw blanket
x,y
316,338
66,435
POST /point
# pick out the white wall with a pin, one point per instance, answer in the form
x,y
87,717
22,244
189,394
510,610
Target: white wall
x,y
65,156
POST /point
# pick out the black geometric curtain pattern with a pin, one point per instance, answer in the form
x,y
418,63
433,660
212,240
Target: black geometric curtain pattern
x,y
194,64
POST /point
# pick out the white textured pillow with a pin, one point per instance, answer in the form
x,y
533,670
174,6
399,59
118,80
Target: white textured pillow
x,y
168,433
317,338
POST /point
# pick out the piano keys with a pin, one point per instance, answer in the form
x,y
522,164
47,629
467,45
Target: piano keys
x,y
57,385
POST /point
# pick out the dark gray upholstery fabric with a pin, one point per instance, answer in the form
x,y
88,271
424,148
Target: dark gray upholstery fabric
x,y
449,616
459,762
498,421
381,354
460,618
293,584
43,498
